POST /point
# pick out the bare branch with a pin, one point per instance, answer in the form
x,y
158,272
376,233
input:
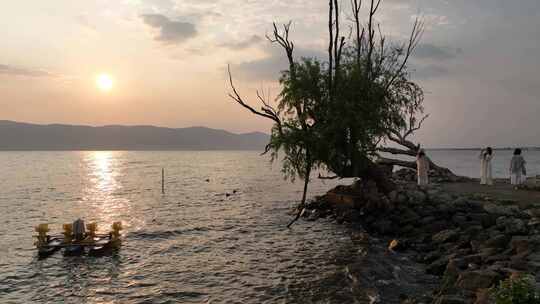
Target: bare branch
x,y
356,5
330,48
413,127
397,162
328,177
416,34
282,38
236,97
396,151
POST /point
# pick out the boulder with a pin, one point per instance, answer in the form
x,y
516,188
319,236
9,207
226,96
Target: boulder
x,y
409,217
498,241
534,257
476,206
482,296
512,226
431,256
438,267
476,279
461,204
475,245
485,253
520,244
447,235
500,210
473,230
427,220
384,227
488,220
392,196
360,238
407,229
449,299
433,192
416,196
519,261
445,209
472,259
442,198
459,219
436,226
497,257
534,212
401,198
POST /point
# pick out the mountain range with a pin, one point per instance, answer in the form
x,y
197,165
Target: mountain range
x,y
25,136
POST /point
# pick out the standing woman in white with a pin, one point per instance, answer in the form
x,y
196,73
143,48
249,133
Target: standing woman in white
x,y
486,177
518,174
422,168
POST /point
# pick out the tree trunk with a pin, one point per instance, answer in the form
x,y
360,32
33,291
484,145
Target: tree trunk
x,y
304,197
412,165
365,169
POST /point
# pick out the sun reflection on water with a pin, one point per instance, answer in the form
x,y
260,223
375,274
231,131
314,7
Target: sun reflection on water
x,y
104,191
102,172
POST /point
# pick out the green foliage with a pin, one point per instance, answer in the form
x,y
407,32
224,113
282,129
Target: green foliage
x,y
342,124
516,291
368,101
332,114
296,137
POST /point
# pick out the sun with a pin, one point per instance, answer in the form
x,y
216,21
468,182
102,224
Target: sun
x,y
104,82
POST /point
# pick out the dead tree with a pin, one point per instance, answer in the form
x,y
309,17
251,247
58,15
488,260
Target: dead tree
x,y
407,147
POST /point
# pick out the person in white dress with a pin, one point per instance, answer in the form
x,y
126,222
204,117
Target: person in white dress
x,y
518,173
486,177
422,168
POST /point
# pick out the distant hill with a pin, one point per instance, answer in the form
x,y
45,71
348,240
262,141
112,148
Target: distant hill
x,y
25,136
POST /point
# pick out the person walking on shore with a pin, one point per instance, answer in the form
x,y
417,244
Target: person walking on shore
x,y
422,168
518,173
486,177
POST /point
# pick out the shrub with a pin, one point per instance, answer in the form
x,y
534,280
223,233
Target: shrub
x,y
519,290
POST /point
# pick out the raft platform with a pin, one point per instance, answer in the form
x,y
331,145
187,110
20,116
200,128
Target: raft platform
x,y
90,243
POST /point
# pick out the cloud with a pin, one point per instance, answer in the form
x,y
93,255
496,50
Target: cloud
x,y
428,71
84,21
269,67
240,45
160,4
170,31
25,72
431,51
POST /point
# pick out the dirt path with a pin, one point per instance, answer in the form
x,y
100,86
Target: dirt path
x,y
500,190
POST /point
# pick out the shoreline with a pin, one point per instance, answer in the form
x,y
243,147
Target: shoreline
x,y
467,239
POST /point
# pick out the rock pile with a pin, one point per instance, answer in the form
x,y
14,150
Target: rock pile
x,y
436,176
470,242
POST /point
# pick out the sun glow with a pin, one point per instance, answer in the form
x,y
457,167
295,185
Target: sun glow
x,y
104,82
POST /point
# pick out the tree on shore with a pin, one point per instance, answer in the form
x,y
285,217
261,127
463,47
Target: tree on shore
x,y
406,147
333,115
292,133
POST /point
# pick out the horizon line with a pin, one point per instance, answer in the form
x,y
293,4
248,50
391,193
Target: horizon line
x,y
126,125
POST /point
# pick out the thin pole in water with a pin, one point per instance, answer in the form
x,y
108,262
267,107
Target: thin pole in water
x,y
162,180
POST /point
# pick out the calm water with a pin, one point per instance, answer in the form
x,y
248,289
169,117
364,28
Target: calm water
x,y
466,162
194,244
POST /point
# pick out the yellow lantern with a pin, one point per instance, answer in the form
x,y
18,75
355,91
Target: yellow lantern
x,y
115,233
42,230
68,232
91,230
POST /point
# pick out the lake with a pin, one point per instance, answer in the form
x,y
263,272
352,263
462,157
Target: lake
x,y
217,235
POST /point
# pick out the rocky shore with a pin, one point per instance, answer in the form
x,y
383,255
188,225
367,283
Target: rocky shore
x,y
471,242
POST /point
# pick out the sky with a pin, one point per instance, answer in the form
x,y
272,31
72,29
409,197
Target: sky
x,y
477,62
